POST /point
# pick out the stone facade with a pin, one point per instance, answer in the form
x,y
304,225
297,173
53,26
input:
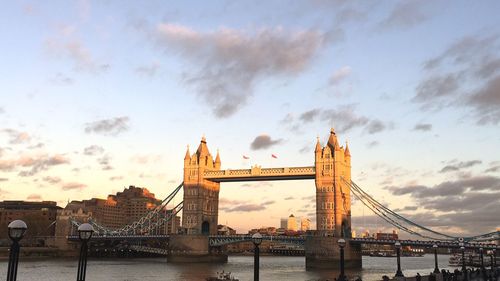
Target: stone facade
x,y
333,199
201,196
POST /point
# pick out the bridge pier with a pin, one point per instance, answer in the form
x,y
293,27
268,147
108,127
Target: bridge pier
x,y
194,248
323,252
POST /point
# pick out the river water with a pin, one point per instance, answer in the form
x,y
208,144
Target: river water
x,y
272,268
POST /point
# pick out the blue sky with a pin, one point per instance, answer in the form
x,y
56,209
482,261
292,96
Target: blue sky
x,y
100,95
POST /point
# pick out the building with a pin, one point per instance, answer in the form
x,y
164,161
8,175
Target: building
x,y
305,224
124,208
284,223
292,223
39,216
387,236
333,198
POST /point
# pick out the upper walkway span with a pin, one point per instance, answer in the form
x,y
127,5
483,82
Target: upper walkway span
x,y
256,173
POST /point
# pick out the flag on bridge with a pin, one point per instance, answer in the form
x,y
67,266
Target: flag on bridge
x,y
274,156
245,157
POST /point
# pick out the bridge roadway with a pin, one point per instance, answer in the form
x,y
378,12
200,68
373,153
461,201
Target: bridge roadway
x,y
220,240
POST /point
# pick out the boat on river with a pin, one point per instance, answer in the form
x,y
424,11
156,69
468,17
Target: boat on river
x,y
222,276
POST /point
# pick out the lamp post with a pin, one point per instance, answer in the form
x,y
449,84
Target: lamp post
x,y
436,268
342,243
256,239
399,273
17,229
464,269
482,258
494,258
85,232
491,260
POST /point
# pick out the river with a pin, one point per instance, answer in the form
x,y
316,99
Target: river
x,y
272,268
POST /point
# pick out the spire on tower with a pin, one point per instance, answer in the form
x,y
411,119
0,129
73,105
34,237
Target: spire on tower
x,y
318,145
347,153
202,148
332,140
188,155
217,158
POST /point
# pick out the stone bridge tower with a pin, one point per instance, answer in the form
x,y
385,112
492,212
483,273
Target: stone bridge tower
x,y
201,196
333,197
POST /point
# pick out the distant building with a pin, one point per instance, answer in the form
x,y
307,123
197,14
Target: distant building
x,y
39,216
292,223
305,224
284,223
123,208
386,236
225,230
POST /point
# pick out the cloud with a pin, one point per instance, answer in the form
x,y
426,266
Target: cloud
x,y
372,144
492,169
61,79
226,201
486,102
450,188
17,137
437,86
144,159
36,164
73,185
376,126
269,202
93,150
2,111
264,142
108,127
422,127
52,180
459,166
310,115
406,14
34,197
115,178
67,46
148,70
225,65
340,75
4,179
289,198
465,75
246,208
104,161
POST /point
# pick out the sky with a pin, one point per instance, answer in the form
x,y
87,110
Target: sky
x,y
99,95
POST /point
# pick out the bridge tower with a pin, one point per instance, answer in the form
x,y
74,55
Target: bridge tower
x,y
201,197
333,197
333,208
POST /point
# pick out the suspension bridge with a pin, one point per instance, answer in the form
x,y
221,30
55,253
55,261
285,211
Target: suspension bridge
x,y
198,240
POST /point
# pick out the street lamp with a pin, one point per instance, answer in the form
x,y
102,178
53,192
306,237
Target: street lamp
x,y
436,269
491,260
494,258
342,243
464,269
482,258
256,239
399,273
85,232
17,229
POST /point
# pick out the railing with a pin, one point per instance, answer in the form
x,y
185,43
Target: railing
x,y
257,172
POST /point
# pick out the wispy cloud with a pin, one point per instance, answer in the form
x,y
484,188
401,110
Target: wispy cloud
x,y
108,127
228,63
422,127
